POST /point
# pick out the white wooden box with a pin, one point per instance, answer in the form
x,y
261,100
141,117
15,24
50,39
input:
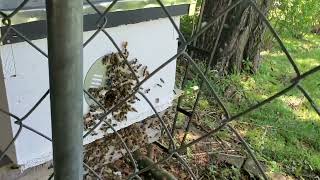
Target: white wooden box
x,y
24,79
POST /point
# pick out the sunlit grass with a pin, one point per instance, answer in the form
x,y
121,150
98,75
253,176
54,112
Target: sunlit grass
x,y
285,132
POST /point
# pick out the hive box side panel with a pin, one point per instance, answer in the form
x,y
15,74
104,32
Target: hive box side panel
x,y
26,80
6,133
152,43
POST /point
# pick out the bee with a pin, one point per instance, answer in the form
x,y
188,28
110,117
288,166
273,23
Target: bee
x,y
174,92
157,127
91,110
122,115
113,59
112,153
139,66
161,80
104,129
134,61
105,59
145,72
93,133
147,91
159,85
133,109
110,159
125,46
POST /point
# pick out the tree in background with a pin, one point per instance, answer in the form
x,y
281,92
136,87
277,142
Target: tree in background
x,y
240,43
295,17
243,34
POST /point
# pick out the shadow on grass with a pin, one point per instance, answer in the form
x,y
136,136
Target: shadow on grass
x,y
285,132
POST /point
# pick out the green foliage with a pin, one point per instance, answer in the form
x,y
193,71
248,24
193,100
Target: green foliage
x,y
215,172
295,17
285,132
186,26
187,22
290,18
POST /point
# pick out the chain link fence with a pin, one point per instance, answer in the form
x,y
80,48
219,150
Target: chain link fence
x,y
173,151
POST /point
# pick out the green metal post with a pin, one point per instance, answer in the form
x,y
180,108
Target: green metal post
x,y
65,27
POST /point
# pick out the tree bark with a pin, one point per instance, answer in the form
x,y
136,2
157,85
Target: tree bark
x,y
240,43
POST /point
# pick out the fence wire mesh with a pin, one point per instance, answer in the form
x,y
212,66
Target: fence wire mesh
x,y
173,150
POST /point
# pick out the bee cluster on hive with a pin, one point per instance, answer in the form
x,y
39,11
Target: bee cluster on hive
x,y
119,82
102,152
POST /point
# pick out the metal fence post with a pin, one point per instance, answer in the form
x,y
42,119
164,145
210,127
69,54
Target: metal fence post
x,y
65,27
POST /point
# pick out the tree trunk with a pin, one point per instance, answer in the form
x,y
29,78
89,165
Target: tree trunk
x,y
240,42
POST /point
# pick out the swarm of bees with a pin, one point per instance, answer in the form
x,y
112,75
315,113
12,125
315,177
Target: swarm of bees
x,y
110,148
119,82
103,152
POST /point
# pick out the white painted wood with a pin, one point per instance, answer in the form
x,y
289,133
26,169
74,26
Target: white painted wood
x,y
25,76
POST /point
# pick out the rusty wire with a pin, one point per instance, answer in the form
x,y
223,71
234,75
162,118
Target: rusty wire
x,y
173,151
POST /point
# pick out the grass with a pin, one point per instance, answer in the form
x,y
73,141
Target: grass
x,y
286,132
